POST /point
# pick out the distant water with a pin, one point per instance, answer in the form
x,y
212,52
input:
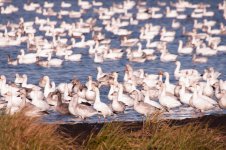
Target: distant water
x,y
86,67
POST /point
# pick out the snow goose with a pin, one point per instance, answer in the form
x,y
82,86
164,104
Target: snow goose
x,y
116,105
100,106
23,60
19,79
166,56
175,24
200,94
199,59
151,102
37,100
126,99
73,57
184,50
98,57
128,42
137,59
167,100
222,84
102,76
153,91
90,95
111,91
27,56
205,51
178,72
52,99
54,62
169,87
61,107
184,96
14,104
222,101
81,44
208,89
113,54
82,110
49,88
141,107
29,86
11,61
200,103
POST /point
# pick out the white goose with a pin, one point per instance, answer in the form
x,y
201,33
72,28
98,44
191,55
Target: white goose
x,y
167,100
151,102
37,100
48,88
54,62
126,99
98,57
111,91
14,104
222,101
23,60
184,96
184,50
208,89
199,59
90,95
199,102
29,86
73,57
19,79
166,56
169,87
100,106
179,73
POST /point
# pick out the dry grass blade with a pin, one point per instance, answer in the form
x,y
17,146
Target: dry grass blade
x,y
111,136
21,132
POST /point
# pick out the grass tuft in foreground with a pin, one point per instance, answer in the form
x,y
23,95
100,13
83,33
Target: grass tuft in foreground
x,y
157,135
20,132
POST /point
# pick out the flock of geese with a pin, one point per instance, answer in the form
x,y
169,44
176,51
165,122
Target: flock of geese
x,y
50,42
146,93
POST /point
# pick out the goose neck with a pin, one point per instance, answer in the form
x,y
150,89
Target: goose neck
x,y
146,98
24,81
177,69
97,99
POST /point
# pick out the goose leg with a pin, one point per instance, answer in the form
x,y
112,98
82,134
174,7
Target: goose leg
x,y
98,119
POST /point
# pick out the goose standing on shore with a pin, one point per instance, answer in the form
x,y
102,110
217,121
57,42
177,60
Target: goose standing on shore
x,y
82,110
142,107
101,107
168,100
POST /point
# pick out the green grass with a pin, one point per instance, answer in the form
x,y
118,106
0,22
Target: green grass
x,y
18,132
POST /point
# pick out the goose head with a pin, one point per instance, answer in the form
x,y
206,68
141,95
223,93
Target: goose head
x,y
43,81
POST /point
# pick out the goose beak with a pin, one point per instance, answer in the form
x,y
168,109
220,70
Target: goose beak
x,y
160,72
